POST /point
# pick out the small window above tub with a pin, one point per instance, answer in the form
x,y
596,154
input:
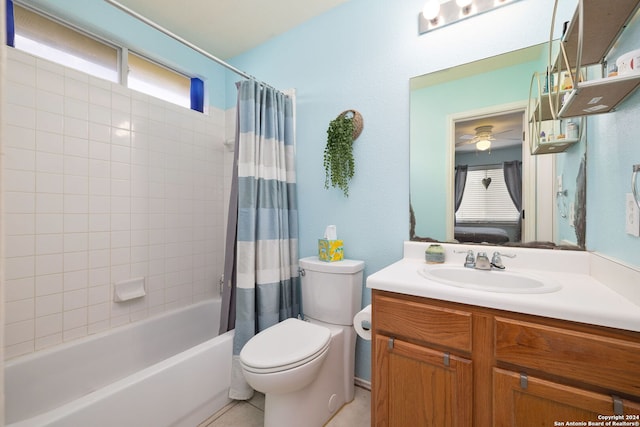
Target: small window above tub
x,y
49,39
149,77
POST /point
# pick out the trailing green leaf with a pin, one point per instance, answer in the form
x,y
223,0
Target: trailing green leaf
x,y
339,165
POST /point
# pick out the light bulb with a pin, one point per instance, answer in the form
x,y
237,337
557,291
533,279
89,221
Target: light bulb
x,y
464,3
483,144
431,9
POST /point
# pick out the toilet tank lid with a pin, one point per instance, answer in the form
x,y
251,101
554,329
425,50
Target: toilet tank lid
x,y
345,266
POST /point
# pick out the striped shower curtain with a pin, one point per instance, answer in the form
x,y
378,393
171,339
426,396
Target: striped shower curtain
x,y
267,284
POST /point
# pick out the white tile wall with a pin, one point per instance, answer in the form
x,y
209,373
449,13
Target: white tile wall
x,y
103,184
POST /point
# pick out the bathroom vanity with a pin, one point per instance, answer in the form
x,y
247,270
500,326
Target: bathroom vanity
x,y
448,355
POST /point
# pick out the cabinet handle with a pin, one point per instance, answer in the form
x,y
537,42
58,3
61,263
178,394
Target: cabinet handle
x,y
447,359
524,381
390,343
618,405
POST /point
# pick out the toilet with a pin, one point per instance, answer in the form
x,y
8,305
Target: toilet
x,y
305,367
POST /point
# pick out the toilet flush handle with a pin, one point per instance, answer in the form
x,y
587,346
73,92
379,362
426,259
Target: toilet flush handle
x,y
301,271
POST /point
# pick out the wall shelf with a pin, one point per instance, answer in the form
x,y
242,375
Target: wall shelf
x,y
587,40
598,95
603,22
548,134
542,109
556,136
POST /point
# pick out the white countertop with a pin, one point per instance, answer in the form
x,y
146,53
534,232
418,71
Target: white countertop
x,y
582,298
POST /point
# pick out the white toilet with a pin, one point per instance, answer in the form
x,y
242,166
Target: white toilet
x,y
305,368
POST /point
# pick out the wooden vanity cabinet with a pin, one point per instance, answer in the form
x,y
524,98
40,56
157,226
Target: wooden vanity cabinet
x,y
419,384
437,363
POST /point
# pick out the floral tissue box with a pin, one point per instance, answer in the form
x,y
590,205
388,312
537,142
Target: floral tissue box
x,y
330,250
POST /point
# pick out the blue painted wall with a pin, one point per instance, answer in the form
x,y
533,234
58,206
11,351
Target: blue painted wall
x,y
361,56
612,150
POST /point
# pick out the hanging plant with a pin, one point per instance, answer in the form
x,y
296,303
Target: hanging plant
x,y
339,165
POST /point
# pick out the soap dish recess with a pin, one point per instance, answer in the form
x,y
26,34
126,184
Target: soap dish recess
x,y
129,289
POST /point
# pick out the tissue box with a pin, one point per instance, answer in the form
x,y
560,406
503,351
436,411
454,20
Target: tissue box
x,y
330,250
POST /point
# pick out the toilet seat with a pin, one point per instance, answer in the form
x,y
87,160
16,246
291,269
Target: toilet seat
x,y
284,346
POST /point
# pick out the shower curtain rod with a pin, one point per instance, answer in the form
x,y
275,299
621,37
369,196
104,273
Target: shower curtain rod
x,y
185,42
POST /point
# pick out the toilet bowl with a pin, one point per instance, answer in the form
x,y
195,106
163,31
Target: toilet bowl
x,y
285,357
305,368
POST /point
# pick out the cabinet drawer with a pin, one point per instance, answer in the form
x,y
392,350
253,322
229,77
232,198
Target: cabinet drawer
x,y
598,360
423,322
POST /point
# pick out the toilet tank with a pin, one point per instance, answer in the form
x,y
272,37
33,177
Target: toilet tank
x,y
331,291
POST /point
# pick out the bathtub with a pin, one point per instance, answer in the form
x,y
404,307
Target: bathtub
x,y
169,370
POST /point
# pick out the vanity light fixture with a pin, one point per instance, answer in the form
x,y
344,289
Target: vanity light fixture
x,y
431,10
465,6
440,13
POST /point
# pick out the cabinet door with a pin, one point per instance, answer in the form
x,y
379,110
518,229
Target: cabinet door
x,y
545,403
417,386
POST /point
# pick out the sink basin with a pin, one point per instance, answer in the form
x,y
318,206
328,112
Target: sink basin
x,y
502,281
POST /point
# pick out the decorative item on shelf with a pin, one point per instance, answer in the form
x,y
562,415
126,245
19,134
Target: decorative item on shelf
x,y
567,81
434,254
572,130
629,63
339,165
549,82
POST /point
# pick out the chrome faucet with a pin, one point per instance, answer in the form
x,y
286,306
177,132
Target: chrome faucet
x,y
482,261
469,261
496,260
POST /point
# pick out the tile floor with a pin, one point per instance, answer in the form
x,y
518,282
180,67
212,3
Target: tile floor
x,y
250,413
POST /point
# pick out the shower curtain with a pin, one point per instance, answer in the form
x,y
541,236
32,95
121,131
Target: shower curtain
x,y
263,279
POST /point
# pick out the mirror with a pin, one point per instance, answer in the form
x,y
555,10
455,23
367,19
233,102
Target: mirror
x,y
487,191
451,112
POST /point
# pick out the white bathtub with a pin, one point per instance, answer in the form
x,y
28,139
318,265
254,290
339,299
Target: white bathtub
x,y
169,370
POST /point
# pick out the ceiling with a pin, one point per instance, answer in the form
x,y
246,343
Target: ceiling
x,y
507,131
226,28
